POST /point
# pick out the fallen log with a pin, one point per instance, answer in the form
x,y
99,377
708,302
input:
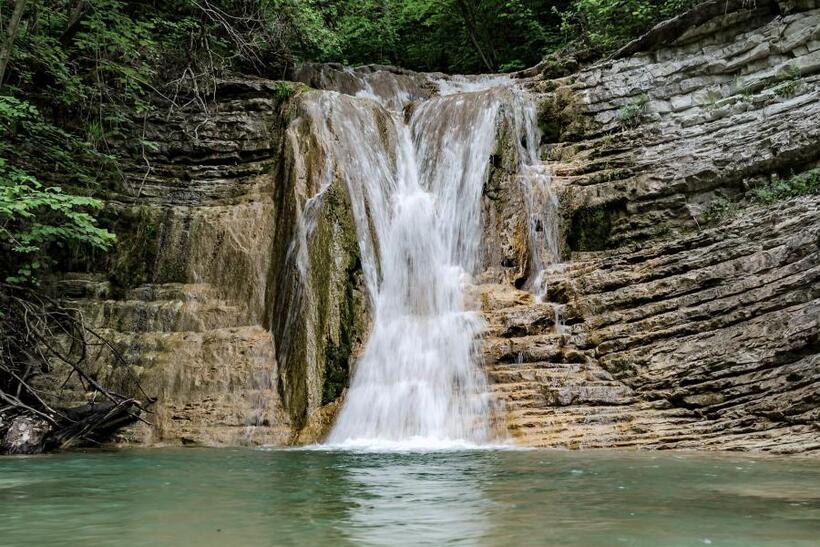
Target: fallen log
x,y
31,420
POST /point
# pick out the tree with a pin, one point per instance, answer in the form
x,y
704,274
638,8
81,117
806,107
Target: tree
x,y
11,35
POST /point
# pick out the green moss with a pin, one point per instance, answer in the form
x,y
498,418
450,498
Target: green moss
x,y
561,117
558,66
131,263
771,191
338,356
631,114
549,123
284,91
777,189
339,302
719,210
591,228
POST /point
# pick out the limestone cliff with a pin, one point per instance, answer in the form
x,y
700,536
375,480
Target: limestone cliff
x,y
236,297
233,303
680,330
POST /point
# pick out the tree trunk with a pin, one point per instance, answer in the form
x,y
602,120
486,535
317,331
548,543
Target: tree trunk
x,y
78,13
468,15
11,34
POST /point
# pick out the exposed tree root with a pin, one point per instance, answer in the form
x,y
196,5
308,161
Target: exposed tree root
x,y
38,334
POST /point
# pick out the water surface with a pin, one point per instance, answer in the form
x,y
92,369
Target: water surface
x,y
249,497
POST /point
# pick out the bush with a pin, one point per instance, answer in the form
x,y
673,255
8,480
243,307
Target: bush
x,y
631,114
778,189
719,210
34,216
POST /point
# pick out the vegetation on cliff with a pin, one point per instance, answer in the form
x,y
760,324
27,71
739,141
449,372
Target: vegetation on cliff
x,y
468,36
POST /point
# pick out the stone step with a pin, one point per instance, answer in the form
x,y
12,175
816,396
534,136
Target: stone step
x,y
493,297
521,320
161,315
540,372
555,348
210,385
83,285
514,393
565,392
185,292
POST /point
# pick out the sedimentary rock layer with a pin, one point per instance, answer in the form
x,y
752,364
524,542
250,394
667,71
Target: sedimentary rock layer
x,y
680,331
704,341
236,295
641,145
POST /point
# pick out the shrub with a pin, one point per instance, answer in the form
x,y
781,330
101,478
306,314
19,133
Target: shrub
x,y
631,114
778,189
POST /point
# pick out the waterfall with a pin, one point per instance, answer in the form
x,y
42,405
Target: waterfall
x,y
415,177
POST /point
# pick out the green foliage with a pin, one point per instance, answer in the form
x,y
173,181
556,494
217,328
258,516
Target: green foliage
x,y
631,114
789,78
101,63
34,217
778,189
30,141
720,209
483,35
772,191
446,35
81,76
286,90
608,24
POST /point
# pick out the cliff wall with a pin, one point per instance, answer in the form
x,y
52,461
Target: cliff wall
x,y
689,306
684,313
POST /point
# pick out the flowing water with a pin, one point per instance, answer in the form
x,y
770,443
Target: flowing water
x,y
204,497
415,174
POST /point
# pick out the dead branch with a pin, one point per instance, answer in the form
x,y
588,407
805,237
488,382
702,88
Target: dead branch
x,y
38,332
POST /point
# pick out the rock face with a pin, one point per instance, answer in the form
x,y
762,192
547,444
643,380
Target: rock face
x,y
236,293
705,341
209,299
24,435
643,144
676,334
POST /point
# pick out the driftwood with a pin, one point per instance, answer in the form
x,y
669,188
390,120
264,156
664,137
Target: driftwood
x,y
38,332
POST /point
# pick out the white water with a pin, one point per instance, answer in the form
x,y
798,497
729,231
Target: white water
x,y
416,188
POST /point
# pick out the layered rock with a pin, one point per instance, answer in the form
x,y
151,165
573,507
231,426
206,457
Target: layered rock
x,y
236,294
643,144
208,303
706,341
674,333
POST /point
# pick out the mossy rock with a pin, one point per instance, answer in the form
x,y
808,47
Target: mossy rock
x,y
131,262
562,117
591,227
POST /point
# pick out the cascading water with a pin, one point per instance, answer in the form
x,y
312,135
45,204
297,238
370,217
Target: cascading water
x,y
416,179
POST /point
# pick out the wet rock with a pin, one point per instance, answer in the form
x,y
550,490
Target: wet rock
x,y
192,296
706,341
25,435
669,333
